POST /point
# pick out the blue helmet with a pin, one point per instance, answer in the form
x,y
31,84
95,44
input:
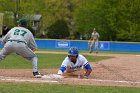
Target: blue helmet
x,y
73,51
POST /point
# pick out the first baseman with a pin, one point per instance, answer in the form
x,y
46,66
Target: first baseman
x,y
20,40
75,62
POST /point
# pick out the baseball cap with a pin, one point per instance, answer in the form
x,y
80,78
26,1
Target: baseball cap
x,y
22,21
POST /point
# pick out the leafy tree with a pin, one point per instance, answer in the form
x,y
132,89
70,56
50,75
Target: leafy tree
x,y
21,8
88,16
129,22
115,20
62,10
58,30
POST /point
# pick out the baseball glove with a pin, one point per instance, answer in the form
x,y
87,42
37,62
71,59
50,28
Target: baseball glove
x,y
94,38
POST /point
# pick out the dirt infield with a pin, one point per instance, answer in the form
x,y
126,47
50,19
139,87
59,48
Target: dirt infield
x,y
121,70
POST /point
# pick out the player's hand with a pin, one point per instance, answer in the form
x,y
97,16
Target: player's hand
x,y
3,42
59,72
34,49
17,53
94,38
77,69
85,76
69,70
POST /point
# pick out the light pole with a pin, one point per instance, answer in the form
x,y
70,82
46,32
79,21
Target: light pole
x,y
16,12
17,8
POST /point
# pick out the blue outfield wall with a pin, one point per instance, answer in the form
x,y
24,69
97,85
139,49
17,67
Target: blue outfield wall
x,y
83,45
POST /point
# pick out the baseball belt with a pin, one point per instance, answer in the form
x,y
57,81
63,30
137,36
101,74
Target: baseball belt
x,y
18,41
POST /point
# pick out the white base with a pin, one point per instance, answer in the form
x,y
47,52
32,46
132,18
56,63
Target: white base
x,y
52,76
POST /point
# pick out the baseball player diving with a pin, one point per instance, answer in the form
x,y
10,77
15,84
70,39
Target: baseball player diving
x,y
20,40
75,62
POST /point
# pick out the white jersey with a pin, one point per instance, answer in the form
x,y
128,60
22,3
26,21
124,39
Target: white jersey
x,y
81,61
20,40
21,34
95,34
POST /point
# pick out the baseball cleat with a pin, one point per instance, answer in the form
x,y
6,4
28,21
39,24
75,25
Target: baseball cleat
x,y
37,74
96,52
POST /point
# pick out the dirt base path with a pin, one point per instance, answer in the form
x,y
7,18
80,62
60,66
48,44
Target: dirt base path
x,y
121,70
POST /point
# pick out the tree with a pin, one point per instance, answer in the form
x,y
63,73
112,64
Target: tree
x,y
129,22
58,30
88,16
62,10
114,19
21,8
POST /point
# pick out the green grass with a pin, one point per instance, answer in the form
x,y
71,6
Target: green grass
x,y
45,61
86,51
52,61
61,88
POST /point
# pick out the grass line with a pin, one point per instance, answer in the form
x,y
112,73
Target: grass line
x,y
45,61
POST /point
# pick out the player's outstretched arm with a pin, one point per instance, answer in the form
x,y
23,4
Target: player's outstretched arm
x,y
61,70
86,75
88,71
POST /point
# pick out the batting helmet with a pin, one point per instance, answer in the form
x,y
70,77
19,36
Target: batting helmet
x,y
22,22
73,51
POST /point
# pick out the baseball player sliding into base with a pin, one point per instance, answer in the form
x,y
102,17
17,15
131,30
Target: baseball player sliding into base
x,y
21,41
75,62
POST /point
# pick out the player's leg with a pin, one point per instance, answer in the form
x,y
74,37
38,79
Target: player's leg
x,y
35,67
27,53
96,46
6,50
34,60
3,54
92,46
89,43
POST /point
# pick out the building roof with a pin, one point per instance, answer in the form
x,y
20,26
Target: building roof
x,y
36,17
